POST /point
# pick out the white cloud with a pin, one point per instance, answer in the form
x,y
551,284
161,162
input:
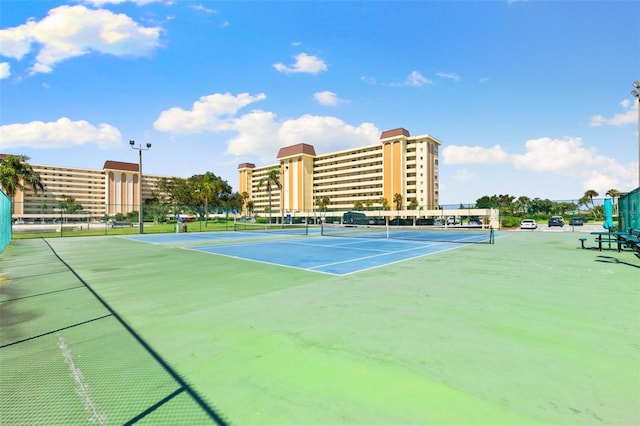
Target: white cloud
x,y
100,3
568,157
63,133
304,63
414,79
564,157
259,134
450,76
5,70
70,31
454,154
212,113
202,8
560,156
327,98
369,80
628,116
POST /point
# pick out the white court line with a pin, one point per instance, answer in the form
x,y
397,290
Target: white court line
x,y
83,387
378,255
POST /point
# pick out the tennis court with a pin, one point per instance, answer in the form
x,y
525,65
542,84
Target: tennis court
x,y
192,330
356,250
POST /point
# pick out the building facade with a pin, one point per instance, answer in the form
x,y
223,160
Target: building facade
x,y
107,192
399,164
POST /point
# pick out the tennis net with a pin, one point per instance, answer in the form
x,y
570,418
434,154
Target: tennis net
x,y
461,235
287,228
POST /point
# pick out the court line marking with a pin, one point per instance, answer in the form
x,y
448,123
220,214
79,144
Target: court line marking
x,y
313,269
357,259
200,249
82,386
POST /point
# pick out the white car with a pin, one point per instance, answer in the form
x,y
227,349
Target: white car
x,y
528,224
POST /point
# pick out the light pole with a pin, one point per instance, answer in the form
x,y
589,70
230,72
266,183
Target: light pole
x,y
283,195
636,93
140,149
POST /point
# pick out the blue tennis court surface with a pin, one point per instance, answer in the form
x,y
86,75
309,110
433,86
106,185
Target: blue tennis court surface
x,y
198,237
337,256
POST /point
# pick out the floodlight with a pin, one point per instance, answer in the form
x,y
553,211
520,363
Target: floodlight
x,y
132,142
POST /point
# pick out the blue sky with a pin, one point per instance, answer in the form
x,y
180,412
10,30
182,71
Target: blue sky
x,y
527,97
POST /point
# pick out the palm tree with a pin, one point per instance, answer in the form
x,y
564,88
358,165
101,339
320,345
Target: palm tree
x,y
272,178
589,195
523,203
245,198
368,203
613,193
397,199
385,204
208,188
16,174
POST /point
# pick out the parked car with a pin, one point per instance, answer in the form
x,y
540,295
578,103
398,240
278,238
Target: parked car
x,y
528,224
453,220
576,221
556,221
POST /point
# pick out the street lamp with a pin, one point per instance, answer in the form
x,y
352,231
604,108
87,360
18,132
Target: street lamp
x,y
636,93
283,195
140,149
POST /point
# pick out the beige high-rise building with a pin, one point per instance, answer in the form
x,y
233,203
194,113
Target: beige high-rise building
x,y
106,192
399,164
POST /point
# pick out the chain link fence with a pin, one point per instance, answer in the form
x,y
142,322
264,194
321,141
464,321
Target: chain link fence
x,y
76,220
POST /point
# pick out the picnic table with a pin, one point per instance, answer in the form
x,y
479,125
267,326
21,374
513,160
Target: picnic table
x,y
609,237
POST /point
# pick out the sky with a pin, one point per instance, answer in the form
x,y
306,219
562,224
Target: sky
x,y
528,98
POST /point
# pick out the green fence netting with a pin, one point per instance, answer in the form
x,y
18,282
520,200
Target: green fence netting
x,y
628,206
5,220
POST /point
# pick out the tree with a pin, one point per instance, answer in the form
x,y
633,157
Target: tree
x,y
175,191
231,203
613,193
368,203
522,204
322,202
206,187
271,179
69,205
384,203
245,200
397,199
589,195
358,205
16,174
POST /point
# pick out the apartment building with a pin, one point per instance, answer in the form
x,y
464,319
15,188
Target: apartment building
x,y
114,189
398,164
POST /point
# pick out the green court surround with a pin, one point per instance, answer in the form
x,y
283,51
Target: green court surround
x,y
531,330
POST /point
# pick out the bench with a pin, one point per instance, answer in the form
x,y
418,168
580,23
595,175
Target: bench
x,y
582,240
632,239
609,240
122,224
608,237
